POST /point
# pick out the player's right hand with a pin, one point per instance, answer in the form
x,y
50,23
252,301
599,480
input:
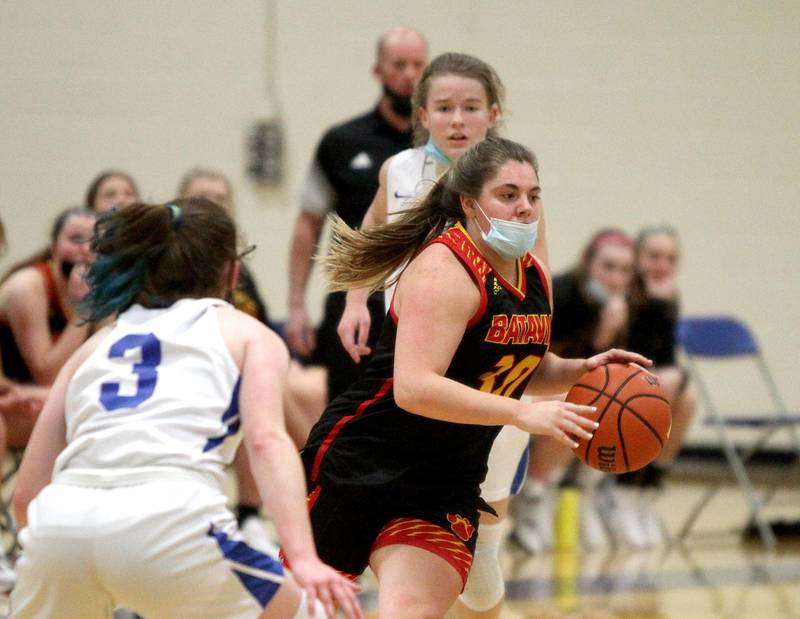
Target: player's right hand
x,y
325,584
564,421
353,329
299,334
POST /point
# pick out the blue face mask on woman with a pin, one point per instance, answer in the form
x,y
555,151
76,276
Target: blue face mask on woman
x,y
510,239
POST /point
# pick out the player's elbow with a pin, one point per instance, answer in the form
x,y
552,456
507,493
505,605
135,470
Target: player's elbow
x,y
266,443
409,394
403,398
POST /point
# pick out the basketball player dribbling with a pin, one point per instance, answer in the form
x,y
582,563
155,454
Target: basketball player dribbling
x,y
395,463
457,103
120,487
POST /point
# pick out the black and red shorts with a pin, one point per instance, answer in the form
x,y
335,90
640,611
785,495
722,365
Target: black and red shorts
x,y
350,524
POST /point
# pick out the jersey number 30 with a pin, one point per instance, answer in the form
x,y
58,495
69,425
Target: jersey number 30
x,y
145,371
508,375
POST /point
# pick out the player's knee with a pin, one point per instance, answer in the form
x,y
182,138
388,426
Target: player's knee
x,y
689,401
406,604
485,586
429,600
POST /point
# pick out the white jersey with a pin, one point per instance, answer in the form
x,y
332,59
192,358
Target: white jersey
x,y
160,393
410,175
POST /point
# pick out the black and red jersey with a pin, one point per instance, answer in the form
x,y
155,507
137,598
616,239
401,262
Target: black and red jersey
x,y
365,439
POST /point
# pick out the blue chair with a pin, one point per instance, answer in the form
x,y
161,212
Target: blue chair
x,y
718,338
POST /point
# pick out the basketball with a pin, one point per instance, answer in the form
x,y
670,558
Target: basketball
x,y
633,413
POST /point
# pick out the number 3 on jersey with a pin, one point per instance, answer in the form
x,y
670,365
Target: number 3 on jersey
x,y
512,375
145,371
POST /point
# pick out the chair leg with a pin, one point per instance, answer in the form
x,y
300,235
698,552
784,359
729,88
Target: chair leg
x,y
7,524
688,524
767,535
735,463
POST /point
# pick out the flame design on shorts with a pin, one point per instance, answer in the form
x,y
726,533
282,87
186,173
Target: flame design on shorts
x,y
461,526
430,537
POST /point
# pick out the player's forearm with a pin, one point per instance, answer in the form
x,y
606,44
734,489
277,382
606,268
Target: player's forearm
x,y
444,399
281,483
357,296
303,249
555,375
299,269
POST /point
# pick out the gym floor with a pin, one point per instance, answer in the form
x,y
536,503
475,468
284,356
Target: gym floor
x,y
714,573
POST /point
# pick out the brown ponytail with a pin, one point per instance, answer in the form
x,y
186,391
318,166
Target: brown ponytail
x,y
157,254
368,258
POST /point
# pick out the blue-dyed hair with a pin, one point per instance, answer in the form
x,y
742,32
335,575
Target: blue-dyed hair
x,y
155,255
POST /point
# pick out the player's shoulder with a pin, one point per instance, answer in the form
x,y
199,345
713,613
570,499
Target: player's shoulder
x,y
440,264
241,329
244,323
437,275
86,349
408,159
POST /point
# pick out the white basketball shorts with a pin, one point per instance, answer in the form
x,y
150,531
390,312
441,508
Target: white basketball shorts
x,y
164,549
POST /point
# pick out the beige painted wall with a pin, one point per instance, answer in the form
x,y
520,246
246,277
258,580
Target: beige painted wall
x,y
640,112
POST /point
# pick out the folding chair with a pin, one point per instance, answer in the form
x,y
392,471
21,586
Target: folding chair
x,y
727,338
8,528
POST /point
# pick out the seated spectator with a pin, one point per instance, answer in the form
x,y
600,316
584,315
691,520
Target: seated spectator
x,y
39,330
111,188
655,308
590,314
15,399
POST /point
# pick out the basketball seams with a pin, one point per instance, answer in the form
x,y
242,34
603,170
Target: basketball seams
x,y
606,378
631,440
608,395
612,398
641,417
621,439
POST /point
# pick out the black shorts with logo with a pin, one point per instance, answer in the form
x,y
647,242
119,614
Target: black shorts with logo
x,y
350,523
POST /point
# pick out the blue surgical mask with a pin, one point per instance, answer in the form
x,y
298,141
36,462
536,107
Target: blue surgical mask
x,y
510,239
436,152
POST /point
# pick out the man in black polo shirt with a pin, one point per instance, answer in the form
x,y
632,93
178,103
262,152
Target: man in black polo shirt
x,y
344,178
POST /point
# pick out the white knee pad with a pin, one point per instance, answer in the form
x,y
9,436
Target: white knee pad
x,y
302,610
485,586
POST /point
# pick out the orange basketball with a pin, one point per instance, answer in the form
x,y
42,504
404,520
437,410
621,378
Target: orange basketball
x,y
633,413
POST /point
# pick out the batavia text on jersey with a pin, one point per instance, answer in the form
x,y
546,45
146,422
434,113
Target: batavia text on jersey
x,y
519,329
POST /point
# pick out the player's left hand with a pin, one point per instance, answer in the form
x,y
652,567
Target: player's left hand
x,y
615,355
329,587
